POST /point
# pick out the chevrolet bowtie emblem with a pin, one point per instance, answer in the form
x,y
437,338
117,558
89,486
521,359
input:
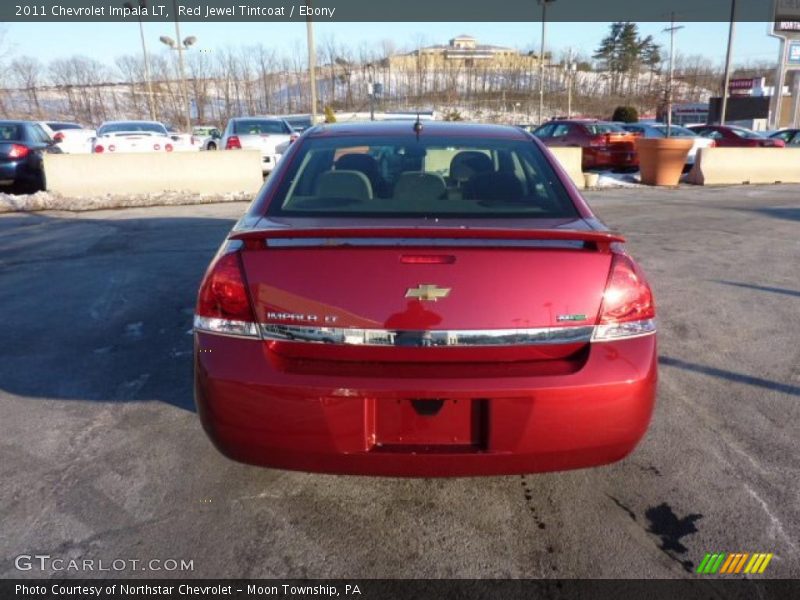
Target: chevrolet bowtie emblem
x,y
427,292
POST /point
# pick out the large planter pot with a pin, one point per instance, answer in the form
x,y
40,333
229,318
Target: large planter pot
x,y
661,160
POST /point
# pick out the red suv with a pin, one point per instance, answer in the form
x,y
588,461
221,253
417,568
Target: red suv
x,y
605,145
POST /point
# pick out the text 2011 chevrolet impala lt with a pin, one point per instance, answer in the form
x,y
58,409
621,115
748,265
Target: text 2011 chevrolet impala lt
x,y
423,300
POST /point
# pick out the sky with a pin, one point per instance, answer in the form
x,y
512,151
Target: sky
x,y
106,41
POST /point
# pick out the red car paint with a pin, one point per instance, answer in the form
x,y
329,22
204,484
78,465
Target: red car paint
x,y
424,401
727,137
611,150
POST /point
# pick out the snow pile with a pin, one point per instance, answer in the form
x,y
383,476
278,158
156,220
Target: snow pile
x,y
609,179
53,201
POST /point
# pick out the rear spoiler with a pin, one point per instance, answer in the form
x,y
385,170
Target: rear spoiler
x,y
603,239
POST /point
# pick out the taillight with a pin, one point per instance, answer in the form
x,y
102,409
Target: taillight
x,y
777,144
598,141
223,305
58,137
156,146
98,148
233,143
628,308
18,151
168,147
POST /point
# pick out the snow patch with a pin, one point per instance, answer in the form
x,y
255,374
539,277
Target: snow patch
x,y
52,201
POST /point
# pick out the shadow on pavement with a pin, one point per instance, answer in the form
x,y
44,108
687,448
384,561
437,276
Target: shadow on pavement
x,y
785,388
761,288
101,310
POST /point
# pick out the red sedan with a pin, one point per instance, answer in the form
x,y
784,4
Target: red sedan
x,y
428,299
736,137
605,145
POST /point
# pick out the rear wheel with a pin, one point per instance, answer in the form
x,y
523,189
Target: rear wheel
x,y
211,146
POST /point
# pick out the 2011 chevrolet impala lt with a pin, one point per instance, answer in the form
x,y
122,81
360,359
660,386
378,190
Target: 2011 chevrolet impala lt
x,y
423,299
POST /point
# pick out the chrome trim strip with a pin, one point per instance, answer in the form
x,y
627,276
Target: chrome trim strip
x,y
435,338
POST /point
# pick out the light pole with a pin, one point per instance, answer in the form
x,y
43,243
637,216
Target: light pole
x,y
180,46
544,4
727,79
371,90
150,103
312,68
672,29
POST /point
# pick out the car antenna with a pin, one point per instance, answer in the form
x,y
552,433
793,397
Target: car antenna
x,y
417,126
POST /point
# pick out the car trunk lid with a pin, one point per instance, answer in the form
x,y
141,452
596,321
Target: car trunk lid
x,y
460,293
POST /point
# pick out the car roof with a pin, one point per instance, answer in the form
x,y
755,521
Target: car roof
x,y
132,121
430,128
15,122
264,118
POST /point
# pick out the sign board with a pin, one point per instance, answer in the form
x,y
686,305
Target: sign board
x,y
740,86
786,20
793,57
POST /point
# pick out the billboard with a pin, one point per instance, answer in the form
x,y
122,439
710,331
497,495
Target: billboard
x,y
786,21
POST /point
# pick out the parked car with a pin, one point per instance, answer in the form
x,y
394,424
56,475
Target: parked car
x,y
790,137
72,138
208,135
298,123
659,130
184,142
257,133
22,144
726,136
605,145
132,136
428,299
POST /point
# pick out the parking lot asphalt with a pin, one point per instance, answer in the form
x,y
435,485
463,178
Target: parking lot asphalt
x,y
103,457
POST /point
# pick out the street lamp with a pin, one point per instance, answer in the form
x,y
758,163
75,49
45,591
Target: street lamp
x,y
544,4
180,46
150,104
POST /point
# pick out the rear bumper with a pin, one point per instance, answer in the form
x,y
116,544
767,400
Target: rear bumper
x,y
594,159
257,413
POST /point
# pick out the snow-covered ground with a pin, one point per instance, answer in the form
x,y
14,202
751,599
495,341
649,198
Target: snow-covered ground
x,y
51,201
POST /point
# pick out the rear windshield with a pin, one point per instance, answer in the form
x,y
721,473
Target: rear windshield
x,y
677,131
377,176
258,127
747,134
10,132
597,128
132,126
62,126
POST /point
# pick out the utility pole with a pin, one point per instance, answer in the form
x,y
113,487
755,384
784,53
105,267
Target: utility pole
x,y
544,4
672,29
312,67
150,101
371,90
727,79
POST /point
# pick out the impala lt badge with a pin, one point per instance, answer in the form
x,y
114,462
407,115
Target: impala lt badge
x,y
430,292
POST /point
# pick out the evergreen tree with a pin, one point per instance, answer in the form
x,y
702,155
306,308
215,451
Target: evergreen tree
x,y
624,51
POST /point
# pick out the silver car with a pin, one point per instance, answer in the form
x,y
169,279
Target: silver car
x,y
258,133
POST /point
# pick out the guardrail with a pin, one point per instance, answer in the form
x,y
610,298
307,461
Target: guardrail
x,y
77,175
733,166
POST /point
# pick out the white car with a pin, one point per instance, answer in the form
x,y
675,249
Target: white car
x,y
132,136
258,133
659,130
208,135
184,142
70,137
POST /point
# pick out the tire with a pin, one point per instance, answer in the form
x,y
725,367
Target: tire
x,y
211,146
